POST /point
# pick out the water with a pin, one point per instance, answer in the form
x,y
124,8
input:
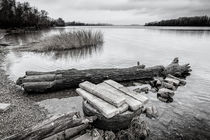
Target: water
x,y
188,117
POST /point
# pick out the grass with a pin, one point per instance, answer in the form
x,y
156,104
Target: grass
x,y
68,40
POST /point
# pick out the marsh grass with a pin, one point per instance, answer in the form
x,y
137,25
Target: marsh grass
x,y
69,40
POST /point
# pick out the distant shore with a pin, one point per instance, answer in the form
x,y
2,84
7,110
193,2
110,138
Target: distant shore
x,y
199,21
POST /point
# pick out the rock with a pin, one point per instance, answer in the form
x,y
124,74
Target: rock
x,y
166,100
172,81
4,107
151,112
154,90
182,82
139,128
109,135
141,88
162,99
166,93
94,135
125,135
168,86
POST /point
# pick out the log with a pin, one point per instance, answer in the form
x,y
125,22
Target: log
x,y
133,103
105,108
127,91
178,70
41,82
98,91
51,126
68,133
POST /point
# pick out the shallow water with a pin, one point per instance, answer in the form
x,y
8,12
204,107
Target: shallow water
x,y
188,117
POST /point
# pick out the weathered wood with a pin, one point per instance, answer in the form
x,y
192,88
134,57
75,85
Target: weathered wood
x,y
118,122
177,70
133,103
127,91
98,91
68,133
51,126
65,79
102,106
172,81
182,82
42,78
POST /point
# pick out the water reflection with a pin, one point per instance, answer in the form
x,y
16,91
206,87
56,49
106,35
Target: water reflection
x,y
75,54
28,37
183,32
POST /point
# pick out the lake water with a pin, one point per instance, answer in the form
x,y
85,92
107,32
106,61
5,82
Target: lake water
x,y
188,117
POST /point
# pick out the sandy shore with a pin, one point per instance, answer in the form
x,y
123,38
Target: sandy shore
x,y
23,111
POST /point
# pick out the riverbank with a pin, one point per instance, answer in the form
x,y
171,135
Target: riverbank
x,y
23,112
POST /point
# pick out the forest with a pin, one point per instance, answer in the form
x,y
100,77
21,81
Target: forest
x,y
22,15
73,23
183,21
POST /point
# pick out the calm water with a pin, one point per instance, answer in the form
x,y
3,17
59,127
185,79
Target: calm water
x,y
188,117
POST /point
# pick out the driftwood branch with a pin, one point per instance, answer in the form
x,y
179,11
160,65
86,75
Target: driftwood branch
x,y
40,82
53,126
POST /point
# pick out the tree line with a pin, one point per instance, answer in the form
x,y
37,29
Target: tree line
x,y
86,24
183,21
21,15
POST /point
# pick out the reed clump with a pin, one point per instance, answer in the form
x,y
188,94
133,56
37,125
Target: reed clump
x,y
73,40
66,41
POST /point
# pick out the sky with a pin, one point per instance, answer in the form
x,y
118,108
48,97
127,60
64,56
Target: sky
x,y
121,12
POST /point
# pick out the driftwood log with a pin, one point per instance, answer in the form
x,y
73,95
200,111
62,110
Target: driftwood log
x,y
41,82
59,126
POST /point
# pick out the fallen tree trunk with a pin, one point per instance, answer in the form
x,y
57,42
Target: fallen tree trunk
x,y
53,126
40,82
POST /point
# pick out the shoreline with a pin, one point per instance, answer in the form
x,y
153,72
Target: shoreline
x,y
23,111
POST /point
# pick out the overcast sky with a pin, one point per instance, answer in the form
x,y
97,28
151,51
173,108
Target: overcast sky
x,y
121,11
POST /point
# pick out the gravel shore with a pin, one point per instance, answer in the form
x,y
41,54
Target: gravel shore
x,y
23,111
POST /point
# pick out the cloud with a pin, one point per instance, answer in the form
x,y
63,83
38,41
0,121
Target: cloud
x,y
114,11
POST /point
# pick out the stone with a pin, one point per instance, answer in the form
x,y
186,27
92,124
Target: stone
x,y
93,135
168,86
4,107
153,90
166,93
109,135
182,82
172,81
151,112
141,88
139,128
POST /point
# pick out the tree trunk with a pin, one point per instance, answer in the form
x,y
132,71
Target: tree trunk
x,y
52,126
40,82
